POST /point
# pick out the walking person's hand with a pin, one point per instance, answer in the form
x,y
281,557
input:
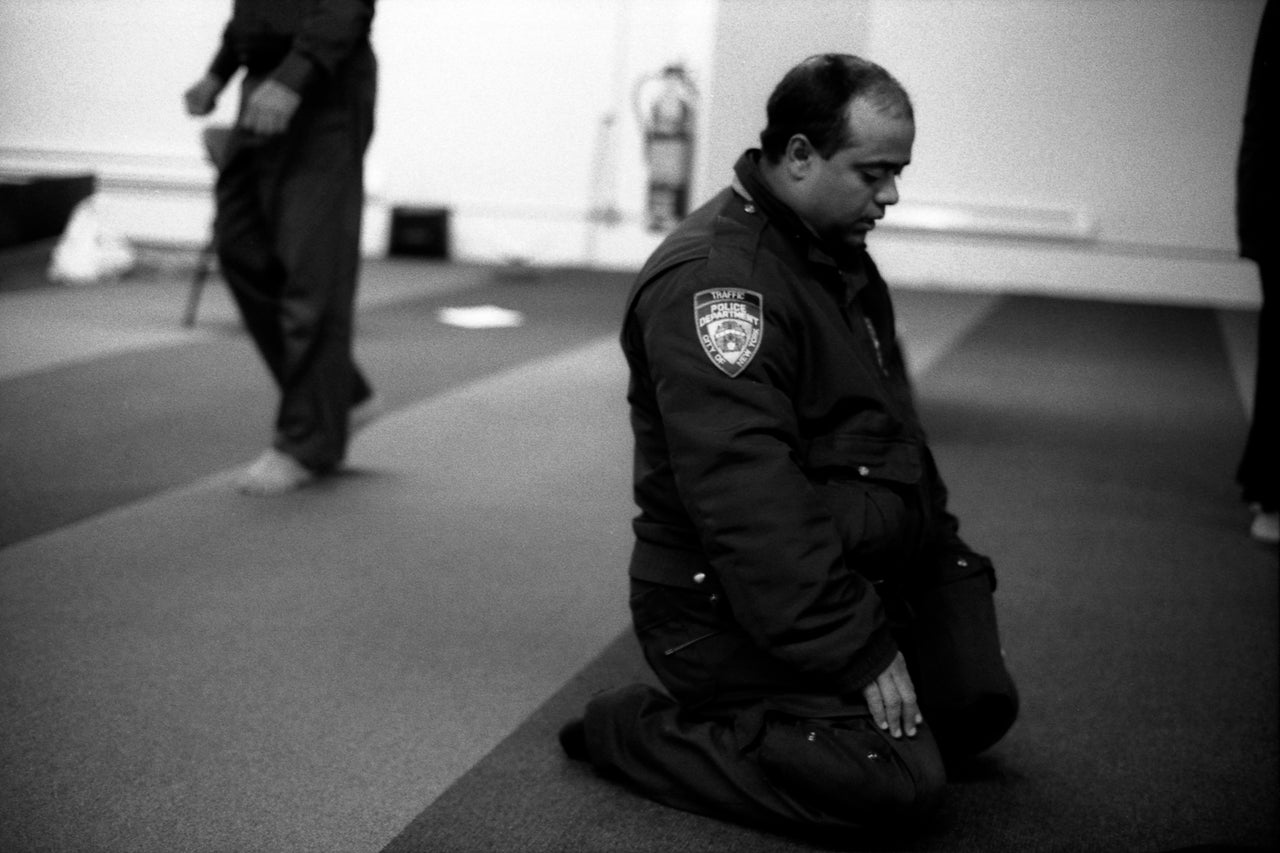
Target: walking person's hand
x,y
270,108
892,699
202,97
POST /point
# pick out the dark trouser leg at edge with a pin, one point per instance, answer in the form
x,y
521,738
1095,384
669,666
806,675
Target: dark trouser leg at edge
x,y
1259,470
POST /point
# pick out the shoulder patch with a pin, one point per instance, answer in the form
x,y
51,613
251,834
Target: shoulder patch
x,y
730,326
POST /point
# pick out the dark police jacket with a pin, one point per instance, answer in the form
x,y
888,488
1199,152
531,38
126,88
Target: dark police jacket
x,y
295,41
778,454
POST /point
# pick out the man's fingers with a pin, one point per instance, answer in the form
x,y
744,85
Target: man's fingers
x,y
249,120
891,698
199,101
910,710
270,109
202,97
262,121
875,704
892,704
256,118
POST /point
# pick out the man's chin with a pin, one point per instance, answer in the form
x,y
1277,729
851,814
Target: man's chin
x,y
851,242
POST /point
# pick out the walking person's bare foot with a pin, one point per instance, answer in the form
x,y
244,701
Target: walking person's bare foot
x,y
363,414
274,473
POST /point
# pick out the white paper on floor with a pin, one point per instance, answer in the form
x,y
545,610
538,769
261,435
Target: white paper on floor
x,y
480,317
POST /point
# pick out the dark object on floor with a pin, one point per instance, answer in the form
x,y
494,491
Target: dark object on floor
x,y
421,232
37,207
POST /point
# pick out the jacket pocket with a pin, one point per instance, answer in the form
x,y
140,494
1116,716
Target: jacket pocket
x,y
850,456
874,524
870,486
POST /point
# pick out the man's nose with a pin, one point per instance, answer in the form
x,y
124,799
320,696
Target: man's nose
x,y
887,193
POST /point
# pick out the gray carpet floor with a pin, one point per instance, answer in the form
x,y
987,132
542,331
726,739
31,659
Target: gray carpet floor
x,y
383,661
1087,447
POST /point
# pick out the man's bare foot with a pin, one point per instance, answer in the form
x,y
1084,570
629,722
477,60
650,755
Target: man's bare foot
x,y
364,414
274,473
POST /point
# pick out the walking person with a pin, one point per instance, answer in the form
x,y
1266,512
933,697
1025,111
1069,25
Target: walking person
x,y
289,198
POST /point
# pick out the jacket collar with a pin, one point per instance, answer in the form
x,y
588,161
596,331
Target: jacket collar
x,y
750,184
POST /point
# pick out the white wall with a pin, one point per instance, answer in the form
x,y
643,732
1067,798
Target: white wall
x,y
496,108
102,76
1129,112
1081,145
756,42
493,108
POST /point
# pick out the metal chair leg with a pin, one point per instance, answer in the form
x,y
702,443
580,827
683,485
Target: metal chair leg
x,y
203,265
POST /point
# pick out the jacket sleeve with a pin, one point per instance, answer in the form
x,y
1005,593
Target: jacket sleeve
x,y
954,558
951,552
226,62
734,449
332,30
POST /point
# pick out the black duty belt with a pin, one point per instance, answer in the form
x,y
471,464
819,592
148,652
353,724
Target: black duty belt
x,y
671,567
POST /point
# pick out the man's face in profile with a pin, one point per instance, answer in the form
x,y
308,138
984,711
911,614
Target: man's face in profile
x,y
843,196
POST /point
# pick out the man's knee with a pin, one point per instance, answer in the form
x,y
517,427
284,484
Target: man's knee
x,y
847,773
967,728
614,722
965,689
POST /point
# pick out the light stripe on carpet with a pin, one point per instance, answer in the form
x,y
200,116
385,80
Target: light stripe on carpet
x,y
202,671
83,436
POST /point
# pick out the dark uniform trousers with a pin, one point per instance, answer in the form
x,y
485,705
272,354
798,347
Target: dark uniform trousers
x,y
288,233
1259,471
743,738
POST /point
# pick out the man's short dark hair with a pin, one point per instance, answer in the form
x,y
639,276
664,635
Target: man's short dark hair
x,y
813,99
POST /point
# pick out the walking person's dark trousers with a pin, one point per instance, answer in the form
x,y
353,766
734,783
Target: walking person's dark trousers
x,y
745,738
1259,471
288,232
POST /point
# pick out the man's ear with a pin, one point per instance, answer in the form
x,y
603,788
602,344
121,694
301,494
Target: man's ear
x,y
799,156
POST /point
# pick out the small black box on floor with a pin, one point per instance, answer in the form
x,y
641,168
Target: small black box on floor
x,y
422,232
36,207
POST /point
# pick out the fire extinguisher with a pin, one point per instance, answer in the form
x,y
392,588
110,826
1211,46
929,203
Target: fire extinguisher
x,y
665,106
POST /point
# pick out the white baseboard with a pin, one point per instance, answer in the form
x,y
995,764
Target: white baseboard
x,y
1093,270
166,199
158,199
907,258
186,219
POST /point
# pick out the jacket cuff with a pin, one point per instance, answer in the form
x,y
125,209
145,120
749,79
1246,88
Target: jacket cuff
x,y
958,565
224,65
296,72
871,660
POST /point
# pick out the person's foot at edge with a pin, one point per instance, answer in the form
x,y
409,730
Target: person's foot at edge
x,y
274,473
573,740
365,413
1266,526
